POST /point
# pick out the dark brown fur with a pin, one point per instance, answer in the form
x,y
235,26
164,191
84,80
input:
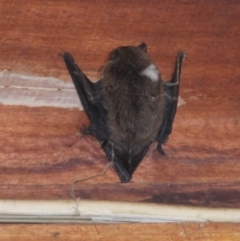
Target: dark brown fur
x,y
135,103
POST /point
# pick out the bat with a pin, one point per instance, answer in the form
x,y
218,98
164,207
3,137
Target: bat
x,y
130,107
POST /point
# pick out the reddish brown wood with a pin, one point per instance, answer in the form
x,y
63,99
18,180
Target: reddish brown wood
x,y
44,154
204,147
40,153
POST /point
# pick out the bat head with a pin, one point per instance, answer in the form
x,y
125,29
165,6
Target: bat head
x,y
133,55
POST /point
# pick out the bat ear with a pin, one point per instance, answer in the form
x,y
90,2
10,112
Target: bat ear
x,y
143,47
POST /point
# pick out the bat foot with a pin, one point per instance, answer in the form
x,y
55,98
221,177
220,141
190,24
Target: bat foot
x,y
166,140
160,150
86,130
104,143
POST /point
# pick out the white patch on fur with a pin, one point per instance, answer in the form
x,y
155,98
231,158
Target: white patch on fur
x,y
151,72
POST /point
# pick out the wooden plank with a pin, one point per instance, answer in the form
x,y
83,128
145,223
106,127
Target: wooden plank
x,y
44,154
158,232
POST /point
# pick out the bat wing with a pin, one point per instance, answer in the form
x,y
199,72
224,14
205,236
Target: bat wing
x,y
91,98
93,103
171,89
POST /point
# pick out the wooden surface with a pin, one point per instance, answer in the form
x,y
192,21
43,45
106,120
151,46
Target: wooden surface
x,y
41,152
158,232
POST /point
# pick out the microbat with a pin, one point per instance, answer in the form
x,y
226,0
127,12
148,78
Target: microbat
x,y
130,107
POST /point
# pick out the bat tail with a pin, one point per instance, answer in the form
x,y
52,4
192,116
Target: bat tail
x,y
125,162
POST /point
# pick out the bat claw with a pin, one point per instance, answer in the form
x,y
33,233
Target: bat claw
x,y
86,130
160,150
104,143
166,140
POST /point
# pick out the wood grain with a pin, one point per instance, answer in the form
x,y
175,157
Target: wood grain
x,y
44,154
159,232
41,152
